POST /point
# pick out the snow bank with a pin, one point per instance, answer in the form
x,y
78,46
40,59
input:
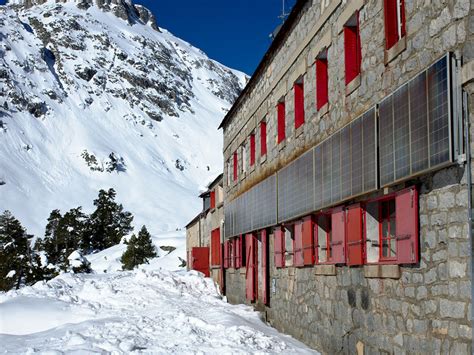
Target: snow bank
x,y
149,311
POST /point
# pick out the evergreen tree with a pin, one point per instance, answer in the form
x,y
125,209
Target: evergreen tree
x,y
139,250
109,223
63,235
15,257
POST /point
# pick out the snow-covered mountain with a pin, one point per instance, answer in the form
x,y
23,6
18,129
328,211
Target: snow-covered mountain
x,y
93,94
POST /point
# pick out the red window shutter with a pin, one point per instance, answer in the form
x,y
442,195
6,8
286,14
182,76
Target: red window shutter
x,y
315,242
298,259
308,246
281,121
321,83
391,31
402,20
337,236
406,212
279,247
226,254
263,138
352,52
250,269
213,199
236,161
215,247
252,149
264,267
299,104
354,235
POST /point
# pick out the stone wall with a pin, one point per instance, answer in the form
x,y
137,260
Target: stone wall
x,y
433,29
426,310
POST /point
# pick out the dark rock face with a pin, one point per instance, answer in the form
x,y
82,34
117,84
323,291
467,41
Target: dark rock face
x,y
124,9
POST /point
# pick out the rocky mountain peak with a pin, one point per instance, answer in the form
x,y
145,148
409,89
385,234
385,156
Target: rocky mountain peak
x,y
124,9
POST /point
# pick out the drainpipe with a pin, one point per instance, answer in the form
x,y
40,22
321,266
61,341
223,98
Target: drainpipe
x,y
469,202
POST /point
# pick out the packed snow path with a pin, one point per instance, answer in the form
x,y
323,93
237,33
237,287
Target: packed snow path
x,y
141,311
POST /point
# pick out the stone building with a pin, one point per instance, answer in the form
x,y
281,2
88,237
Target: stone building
x,y
347,178
203,233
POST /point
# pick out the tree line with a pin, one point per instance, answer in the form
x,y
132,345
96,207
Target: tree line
x,y
67,238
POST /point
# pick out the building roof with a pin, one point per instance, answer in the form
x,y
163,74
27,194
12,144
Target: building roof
x,y
210,186
292,17
194,220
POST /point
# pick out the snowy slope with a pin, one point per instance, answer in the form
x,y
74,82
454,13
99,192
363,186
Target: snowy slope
x,y
98,76
151,312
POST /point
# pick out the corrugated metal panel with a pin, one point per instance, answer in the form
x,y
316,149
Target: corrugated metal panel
x,y
346,173
326,158
336,167
356,156
386,151
295,188
318,177
419,124
370,151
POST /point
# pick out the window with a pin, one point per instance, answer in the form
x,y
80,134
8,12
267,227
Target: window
x,y
263,138
289,240
244,158
252,149
323,229
394,22
213,199
352,50
281,121
216,247
298,259
279,247
391,227
298,88
228,172
236,162
321,80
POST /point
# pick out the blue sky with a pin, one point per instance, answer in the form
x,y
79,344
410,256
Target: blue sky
x,y
233,32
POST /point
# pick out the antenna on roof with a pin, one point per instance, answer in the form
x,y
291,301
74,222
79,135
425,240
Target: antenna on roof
x,y
284,14
283,17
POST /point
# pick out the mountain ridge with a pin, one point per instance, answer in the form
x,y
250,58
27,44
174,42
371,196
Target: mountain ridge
x,y
90,100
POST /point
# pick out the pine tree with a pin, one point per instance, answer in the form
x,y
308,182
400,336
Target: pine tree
x,y
139,250
15,257
63,235
109,223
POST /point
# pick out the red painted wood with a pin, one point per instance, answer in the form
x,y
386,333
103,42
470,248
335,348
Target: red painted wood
x,y
298,259
265,280
251,268
308,241
213,199
281,121
352,52
236,163
299,104
216,247
263,138
279,247
354,235
321,82
406,210
252,149
200,260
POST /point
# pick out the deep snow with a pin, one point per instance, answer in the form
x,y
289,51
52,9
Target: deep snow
x,y
144,311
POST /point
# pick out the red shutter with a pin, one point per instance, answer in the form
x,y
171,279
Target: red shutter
x,y
352,52
299,104
402,20
391,22
321,82
315,242
213,199
279,247
298,259
263,138
250,279
215,247
200,260
337,236
406,212
264,267
252,149
354,235
236,161
281,121
237,251
308,246
226,254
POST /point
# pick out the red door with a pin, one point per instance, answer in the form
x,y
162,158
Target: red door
x,y
251,267
200,260
264,267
